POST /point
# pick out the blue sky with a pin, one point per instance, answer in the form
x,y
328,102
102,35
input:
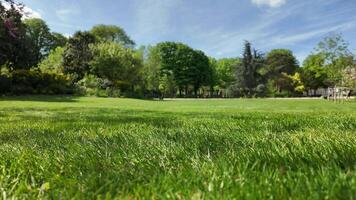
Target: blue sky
x,y
218,27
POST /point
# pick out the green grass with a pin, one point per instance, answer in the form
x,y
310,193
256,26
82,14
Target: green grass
x,y
96,148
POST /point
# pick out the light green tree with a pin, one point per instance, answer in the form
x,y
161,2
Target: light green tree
x,y
116,63
54,62
112,33
337,56
313,73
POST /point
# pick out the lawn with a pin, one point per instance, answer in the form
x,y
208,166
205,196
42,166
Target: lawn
x,y
97,148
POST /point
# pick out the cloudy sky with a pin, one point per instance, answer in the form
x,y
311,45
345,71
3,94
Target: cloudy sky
x,y
218,27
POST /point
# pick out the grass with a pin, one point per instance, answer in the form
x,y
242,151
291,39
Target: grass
x,y
96,148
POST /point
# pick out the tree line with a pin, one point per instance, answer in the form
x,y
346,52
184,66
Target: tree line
x,y
105,61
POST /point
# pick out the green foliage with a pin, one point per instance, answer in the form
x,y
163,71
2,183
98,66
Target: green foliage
x,y
297,83
54,62
5,84
279,64
152,69
226,69
104,148
40,39
247,76
77,55
14,44
112,33
279,61
337,56
34,82
332,47
58,40
119,65
349,77
314,74
188,67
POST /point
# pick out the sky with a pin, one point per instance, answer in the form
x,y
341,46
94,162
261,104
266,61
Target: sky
x,y
218,27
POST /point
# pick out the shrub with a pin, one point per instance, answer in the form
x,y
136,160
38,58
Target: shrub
x,y
5,84
35,82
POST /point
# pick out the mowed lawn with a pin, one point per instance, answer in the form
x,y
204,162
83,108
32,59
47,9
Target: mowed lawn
x,y
97,148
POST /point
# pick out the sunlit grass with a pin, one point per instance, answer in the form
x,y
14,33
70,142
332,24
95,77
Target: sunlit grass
x,y
87,148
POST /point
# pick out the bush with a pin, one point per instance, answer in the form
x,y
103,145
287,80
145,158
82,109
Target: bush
x,y
5,84
34,82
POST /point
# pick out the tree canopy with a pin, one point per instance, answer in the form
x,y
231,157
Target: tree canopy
x,y
112,33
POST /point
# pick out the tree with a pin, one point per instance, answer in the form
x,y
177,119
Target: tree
x,y
174,57
226,69
188,67
77,55
151,70
201,72
334,50
58,40
54,62
313,72
349,77
116,63
280,61
14,50
332,47
112,33
247,74
40,39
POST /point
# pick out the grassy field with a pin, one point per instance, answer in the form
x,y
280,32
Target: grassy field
x,y
96,148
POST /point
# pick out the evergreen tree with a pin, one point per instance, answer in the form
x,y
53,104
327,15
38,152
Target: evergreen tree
x,y
247,74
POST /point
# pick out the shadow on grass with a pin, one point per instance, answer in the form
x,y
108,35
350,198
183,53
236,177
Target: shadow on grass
x,y
41,98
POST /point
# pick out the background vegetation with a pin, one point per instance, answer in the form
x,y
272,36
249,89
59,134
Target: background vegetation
x,y
104,61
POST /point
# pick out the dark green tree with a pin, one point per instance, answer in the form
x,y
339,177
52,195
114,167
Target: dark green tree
x,y
39,38
279,64
57,40
77,55
188,67
247,76
201,72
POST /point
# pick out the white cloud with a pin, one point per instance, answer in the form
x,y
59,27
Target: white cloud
x,y
28,12
270,3
66,14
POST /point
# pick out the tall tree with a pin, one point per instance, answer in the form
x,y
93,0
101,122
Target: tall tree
x,y
247,75
112,33
40,39
152,68
334,49
14,49
77,55
201,72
